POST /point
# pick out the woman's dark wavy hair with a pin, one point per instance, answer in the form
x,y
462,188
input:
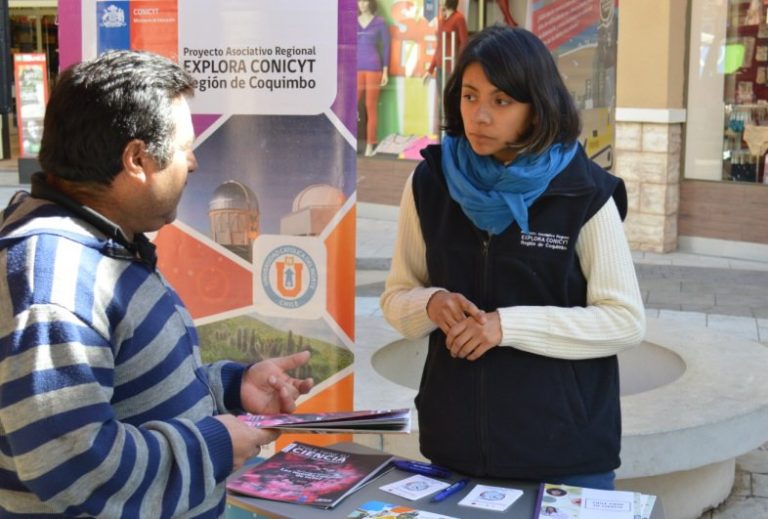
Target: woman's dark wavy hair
x,y
519,64
97,107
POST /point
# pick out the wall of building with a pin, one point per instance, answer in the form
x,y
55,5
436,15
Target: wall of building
x,y
650,117
651,54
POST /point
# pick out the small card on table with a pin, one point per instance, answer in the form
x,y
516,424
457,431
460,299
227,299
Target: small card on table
x,y
414,487
491,498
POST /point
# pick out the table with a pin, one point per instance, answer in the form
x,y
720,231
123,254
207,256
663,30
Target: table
x,y
243,507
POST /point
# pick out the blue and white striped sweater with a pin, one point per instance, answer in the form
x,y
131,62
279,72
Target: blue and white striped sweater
x,y
105,407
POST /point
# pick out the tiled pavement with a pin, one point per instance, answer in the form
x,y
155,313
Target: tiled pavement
x,y
723,294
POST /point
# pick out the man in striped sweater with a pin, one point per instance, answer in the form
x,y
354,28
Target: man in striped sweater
x,y
106,409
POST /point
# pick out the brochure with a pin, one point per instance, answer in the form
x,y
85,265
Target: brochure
x,y
488,497
310,475
415,487
569,502
381,510
371,421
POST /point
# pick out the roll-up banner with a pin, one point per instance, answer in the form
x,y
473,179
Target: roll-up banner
x,y
263,248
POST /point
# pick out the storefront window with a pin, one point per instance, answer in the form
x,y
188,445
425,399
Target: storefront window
x,y
727,130
35,30
399,72
405,54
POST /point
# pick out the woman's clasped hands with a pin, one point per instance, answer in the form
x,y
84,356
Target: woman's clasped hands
x,y
469,331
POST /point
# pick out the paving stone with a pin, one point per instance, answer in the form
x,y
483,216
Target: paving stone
x,y
366,277
367,306
760,485
660,284
743,311
742,484
651,312
662,306
730,324
742,508
752,300
373,263
369,290
721,288
748,265
673,296
693,318
754,461
724,277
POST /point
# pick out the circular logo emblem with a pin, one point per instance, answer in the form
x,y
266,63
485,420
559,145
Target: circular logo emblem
x,y
289,276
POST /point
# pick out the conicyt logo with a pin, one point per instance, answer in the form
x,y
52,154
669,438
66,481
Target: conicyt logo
x,y
112,17
289,276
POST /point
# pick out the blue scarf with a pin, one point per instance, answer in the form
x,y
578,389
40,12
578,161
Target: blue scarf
x,y
493,195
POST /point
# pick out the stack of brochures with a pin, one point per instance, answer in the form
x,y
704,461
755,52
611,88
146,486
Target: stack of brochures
x,y
377,421
568,502
309,475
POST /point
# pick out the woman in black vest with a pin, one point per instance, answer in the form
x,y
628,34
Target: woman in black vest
x,y
511,256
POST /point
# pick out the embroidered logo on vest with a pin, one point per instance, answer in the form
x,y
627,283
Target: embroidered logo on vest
x,y
545,240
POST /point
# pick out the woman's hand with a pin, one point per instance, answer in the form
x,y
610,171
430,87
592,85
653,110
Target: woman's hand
x,y
471,338
446,309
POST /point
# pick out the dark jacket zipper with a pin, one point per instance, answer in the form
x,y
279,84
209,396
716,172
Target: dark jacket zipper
x,y
485,240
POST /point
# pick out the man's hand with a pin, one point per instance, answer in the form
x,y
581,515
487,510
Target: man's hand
x,y
446,309
246,440
470,338
268,389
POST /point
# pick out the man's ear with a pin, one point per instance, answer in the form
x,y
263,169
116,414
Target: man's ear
x,y
135,159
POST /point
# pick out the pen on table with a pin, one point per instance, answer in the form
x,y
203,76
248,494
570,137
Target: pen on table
x,y
418,467
440,496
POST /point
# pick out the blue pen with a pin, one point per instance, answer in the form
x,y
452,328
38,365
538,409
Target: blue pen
x,y
418,467
440,496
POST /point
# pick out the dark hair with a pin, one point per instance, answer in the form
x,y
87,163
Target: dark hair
x,y
519,64
451,4
97,107
373,6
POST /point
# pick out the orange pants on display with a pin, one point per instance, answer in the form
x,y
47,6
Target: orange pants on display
x,y
369,85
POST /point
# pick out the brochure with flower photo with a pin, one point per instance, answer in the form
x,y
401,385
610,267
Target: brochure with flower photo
x,y
310,475
370,421
381,510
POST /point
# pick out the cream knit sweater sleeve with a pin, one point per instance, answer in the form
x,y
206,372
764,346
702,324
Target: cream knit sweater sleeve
x,y
407,290
614,318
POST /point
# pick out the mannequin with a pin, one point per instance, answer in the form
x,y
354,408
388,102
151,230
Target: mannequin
x,y
373,48
451,33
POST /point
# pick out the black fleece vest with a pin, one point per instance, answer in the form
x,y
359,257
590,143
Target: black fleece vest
x,y
513,414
